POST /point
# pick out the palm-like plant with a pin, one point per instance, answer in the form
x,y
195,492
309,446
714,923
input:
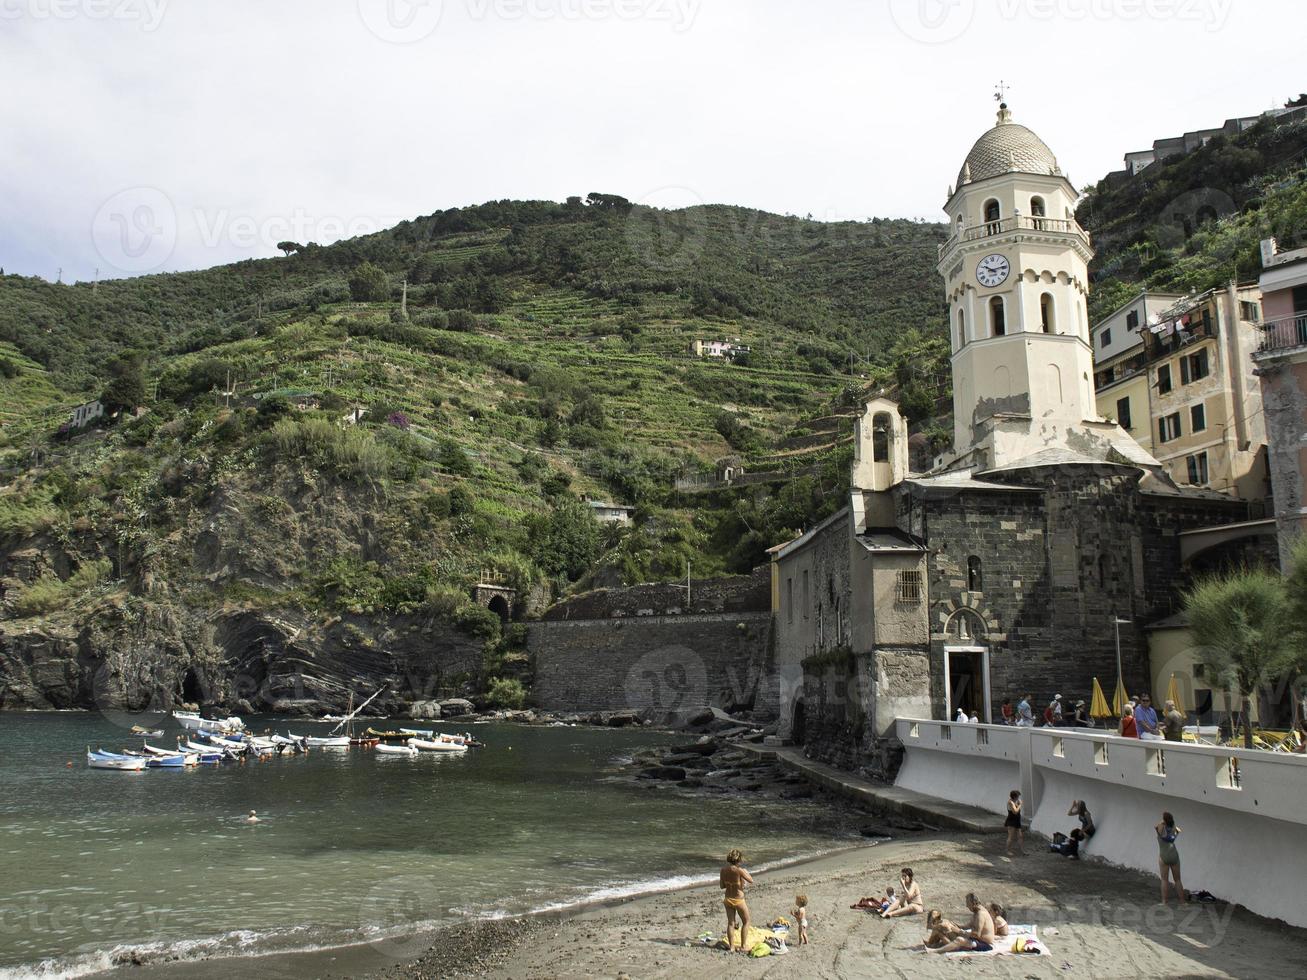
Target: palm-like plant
x,y
1245,632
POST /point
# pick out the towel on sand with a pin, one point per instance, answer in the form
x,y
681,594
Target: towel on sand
x,y
1023,940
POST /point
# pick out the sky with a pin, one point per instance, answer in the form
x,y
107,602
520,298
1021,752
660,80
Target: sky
x,y
141,136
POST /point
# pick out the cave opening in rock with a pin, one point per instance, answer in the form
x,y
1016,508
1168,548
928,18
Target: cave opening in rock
x,y
192,688
499,606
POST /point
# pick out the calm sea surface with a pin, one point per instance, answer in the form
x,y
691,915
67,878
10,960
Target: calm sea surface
x,y
353,847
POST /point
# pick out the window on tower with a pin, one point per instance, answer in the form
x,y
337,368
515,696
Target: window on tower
x,y
992,215
1047,313
1037,207
997,317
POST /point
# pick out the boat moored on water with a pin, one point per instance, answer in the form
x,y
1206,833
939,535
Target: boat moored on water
x,y
335,742
398,737
437,745
115,761
192,722
387,749
147,732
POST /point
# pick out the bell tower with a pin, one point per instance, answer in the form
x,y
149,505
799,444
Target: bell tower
x,y
1015,269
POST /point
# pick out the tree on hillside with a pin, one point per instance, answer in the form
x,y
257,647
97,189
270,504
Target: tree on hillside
x,y
566,541
126,387
1243,621
369,283
288,247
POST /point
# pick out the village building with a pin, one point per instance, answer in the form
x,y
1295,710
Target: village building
x,y
1281,361
1121,364
1001,571
728,349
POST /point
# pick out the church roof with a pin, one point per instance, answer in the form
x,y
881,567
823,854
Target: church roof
x,y
1008,148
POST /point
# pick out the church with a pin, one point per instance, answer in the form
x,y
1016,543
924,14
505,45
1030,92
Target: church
x,y
1011,567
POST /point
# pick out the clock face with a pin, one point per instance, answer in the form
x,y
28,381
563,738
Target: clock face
x,y
992,270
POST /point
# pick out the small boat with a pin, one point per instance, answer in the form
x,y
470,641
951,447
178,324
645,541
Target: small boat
x,y
211,752
147,732
419,732
397,736
334,742
194,723
385,749
439,745
111,760
191,758
364,742
177,761
293,743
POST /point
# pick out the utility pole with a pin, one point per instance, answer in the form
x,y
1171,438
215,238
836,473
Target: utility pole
x,y
95,283
1117,623
60,277
403,302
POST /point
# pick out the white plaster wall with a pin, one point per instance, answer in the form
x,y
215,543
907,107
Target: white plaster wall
x,y
1246,845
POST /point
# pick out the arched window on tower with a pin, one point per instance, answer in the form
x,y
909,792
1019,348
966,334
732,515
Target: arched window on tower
x,y
1047,313
992,217
880,427
962,328
975,577
1037,211
997,317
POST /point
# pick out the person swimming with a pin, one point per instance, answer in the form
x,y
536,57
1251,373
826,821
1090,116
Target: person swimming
x,y
253,817
733,878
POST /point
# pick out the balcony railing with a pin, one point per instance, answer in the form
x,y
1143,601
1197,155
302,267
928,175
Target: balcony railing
x,y
1284,333
1019,222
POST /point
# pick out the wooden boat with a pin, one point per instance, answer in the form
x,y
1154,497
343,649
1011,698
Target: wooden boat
x,y
385,749
174,761
111,760
438,745
399,737
364,742
209,753
419,732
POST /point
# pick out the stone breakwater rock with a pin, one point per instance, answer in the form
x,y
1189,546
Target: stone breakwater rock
x,y
456,708
424,711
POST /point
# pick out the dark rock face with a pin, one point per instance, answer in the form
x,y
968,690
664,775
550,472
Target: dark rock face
x,y
245,661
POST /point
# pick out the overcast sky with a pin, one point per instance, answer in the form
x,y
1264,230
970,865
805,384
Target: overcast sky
x,y
153,135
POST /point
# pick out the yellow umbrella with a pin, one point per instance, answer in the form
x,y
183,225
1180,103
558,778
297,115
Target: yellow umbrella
x,y
1098,705
1118,702
1173,694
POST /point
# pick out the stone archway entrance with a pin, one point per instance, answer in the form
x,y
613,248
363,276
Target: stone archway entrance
x,y
492,593
500,607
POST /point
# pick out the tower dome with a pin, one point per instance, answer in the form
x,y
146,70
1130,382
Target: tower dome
x,y
1008,148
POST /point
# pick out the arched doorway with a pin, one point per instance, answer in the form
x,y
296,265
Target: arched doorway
x,y
798,724
499,606
966,667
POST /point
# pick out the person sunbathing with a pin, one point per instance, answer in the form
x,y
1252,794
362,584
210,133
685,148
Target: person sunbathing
x,y
876,904
979,938
906,902
733,878
939,930
998,914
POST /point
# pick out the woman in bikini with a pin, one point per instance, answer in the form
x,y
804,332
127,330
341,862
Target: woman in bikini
x,y
733,878
1168,857
908,900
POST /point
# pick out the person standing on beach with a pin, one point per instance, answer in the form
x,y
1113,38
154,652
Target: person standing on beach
x,y
1013,822
733,879
1168,857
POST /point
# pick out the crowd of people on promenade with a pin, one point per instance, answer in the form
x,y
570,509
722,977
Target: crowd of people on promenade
x,y
1139,719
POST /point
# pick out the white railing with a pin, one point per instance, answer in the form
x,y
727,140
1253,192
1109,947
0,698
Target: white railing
x,y
1018,222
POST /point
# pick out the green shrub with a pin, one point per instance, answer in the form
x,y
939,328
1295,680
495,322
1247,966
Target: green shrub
x,y
351,452
369,284
49,593
506,692
21,517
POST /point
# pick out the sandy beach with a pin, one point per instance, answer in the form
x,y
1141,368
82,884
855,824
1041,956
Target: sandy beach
x,y
1096,920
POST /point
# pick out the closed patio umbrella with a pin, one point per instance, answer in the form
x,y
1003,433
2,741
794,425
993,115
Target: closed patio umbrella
x,y
1173,694
1098,704
1120,699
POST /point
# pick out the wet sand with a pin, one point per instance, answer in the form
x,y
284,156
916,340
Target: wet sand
x,y
1096,920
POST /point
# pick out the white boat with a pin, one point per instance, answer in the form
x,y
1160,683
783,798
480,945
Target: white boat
x,y
206,752
338,742
419,732
110,760
191,758
385,749
438,745
194,723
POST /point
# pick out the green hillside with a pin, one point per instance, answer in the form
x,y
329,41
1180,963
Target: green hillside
x,y
543,357
1194,222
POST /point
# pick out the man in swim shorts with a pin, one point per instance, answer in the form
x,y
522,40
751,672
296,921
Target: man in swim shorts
x,y
733,879
981,936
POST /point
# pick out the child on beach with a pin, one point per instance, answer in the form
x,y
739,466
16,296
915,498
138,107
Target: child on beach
x,y
800,913
733,878
939,930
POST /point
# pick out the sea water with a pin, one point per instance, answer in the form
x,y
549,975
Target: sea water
x,y
100,867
